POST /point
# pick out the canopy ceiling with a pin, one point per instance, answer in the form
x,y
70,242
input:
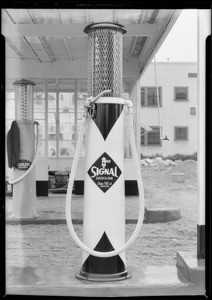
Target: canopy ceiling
x,y
51,43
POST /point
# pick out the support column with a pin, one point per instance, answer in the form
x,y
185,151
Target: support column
x,y
46,120
203,32
138,119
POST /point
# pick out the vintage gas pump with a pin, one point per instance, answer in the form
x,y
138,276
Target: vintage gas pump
x,y
21,151
104,191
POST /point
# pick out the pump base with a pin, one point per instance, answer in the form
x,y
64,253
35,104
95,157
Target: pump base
x,y
103,277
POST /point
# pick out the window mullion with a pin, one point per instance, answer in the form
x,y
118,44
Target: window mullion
x,y
146,139
145,96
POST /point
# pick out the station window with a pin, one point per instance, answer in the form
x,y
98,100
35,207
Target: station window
x,y
80,101
65,109
181,93
149,96
63,118
39,115
181,133
152,137
52,124
66,124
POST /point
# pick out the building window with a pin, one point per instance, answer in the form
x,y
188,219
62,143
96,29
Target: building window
x,y
193,110
181,133
181,93
142,96
149,96
192,75
151,138
142,136
154,136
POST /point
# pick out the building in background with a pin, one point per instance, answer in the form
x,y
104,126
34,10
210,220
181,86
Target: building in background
x,y
177,110
60,117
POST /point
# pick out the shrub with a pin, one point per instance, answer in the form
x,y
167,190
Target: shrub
x,y
182,156
173,157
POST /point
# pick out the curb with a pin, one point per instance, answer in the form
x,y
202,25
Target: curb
x,y
151,216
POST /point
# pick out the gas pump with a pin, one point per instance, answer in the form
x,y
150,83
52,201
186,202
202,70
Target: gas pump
x,y
103,243
21,151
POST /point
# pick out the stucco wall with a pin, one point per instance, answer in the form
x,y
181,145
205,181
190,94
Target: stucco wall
x,y
172,113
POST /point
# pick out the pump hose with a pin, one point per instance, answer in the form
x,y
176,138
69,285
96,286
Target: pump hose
x,y
33,163
140,189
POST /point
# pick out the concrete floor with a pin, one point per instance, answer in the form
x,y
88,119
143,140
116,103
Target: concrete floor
x,y
147,281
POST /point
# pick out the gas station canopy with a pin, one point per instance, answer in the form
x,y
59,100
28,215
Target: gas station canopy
x,y
51,43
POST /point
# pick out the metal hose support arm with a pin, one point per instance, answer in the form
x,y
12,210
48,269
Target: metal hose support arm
x,y
33,163
140,188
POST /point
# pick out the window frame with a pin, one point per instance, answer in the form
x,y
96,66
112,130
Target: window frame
x,y
192,75
175,133
175,93
60,139
142,136
77,120
193,111
58,134
78,92
145,137
146,88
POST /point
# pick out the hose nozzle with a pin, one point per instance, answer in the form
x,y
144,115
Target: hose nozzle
x,y
100,95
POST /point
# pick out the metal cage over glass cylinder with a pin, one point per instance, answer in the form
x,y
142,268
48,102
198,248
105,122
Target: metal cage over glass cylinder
x,y
104,60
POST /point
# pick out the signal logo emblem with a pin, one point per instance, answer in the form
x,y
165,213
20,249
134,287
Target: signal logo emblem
x,y
104,172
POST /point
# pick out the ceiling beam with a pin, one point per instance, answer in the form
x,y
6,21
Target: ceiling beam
x,y
68,49
115,15
42,39
140,21
65,39
86,16
73,30
14,48
31,49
